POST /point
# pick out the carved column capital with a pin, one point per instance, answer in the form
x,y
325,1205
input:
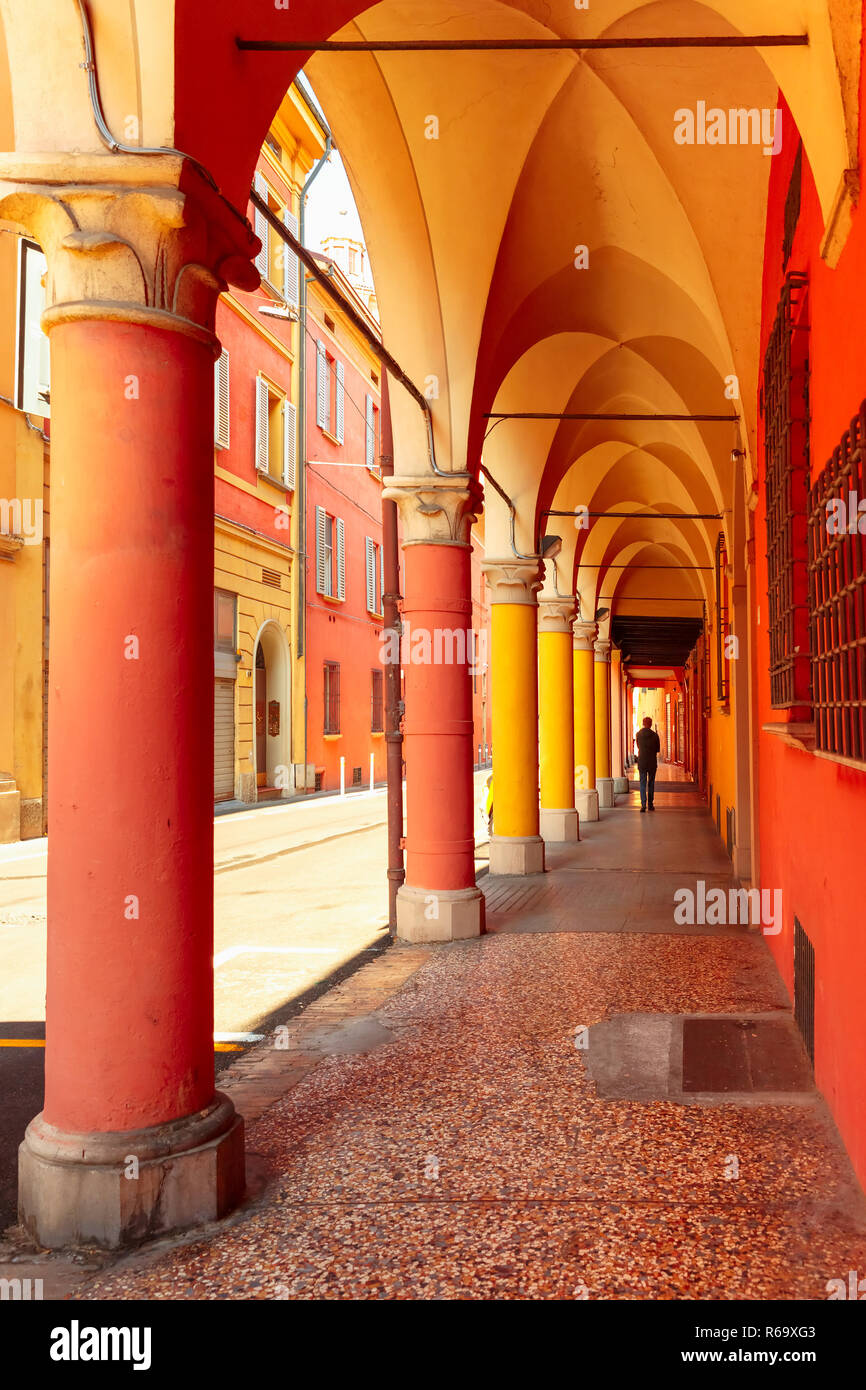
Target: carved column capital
x,y
584,636
435,510
512,580
135,238
602,650
556,613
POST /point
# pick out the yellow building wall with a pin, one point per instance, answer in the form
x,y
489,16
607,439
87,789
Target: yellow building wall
x,y
23,476
721,745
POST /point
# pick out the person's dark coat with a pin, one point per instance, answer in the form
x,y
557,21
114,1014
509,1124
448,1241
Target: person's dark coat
x,y
648,749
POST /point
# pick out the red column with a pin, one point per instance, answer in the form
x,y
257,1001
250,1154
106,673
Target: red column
x,y
440,899
130,867
133,1140
438,729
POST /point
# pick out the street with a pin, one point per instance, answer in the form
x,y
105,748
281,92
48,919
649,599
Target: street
x,y
300,900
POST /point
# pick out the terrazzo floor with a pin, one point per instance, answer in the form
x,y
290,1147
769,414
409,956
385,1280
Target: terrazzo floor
x,y
469,1157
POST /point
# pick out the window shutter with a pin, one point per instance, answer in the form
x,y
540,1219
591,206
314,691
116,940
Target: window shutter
x,y
340,402
323,394
322,577
262,405
262,230
291,265
371,576
222,418
381,581
371,435
341,559
290,443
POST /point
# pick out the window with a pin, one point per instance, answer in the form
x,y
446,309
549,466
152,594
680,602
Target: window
x,y
377,711
224,621
374,577
330,408
332,697
330,555
372,459
785,407
837,576
276,264
221,412
723,623
276,434
32,359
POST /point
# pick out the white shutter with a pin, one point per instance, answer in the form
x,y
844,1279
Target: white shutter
x,y
381,580
262,408
290,443
224,740
32,357
222,416
340,402
262,230
371,575
341,558
322,576
371,435
291,264
323,392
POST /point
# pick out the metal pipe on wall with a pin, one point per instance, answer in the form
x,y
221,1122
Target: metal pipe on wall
x,y
393,692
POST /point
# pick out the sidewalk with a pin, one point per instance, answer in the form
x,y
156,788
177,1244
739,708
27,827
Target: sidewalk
x,y
437,1130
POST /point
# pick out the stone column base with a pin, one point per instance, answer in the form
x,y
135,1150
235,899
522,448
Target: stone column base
x,y
604,787
586,802
427,914
559,827
620,786
516,854
10,810
120,1187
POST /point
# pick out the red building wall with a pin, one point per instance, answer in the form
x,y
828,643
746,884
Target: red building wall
x,y
812,811
342,630
250,353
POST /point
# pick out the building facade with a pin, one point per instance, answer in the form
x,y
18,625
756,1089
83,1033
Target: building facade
x,y
24,541
258,605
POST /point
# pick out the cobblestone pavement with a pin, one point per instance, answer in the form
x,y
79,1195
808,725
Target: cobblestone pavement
x,y
441,1136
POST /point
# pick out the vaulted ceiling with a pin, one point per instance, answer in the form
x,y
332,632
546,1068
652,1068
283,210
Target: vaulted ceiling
x,y
478,176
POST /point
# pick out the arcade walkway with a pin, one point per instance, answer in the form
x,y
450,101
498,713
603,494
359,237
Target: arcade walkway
x,y
477,1150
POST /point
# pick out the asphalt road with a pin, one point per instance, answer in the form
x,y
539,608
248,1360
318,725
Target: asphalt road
x,y
300,901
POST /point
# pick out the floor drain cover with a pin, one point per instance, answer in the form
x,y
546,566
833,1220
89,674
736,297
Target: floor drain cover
x,y
743,1054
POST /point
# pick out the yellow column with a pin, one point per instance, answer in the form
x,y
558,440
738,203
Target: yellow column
x,y
616,724
585,794
516,847
603,779
558,821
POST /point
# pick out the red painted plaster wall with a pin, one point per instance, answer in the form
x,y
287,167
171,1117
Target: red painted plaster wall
x,y
342,631
812,812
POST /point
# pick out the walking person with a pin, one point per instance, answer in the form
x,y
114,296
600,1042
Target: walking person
x,y
648,746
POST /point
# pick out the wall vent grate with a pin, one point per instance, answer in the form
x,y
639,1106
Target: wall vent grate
x,y
804,988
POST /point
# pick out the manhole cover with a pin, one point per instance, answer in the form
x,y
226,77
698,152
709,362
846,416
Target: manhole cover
x,y
743,1054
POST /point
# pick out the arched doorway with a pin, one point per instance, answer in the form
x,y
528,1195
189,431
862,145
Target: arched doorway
x,y
272,715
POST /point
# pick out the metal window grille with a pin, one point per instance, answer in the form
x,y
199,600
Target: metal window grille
x,y
718,813
332,697
723,623
377,714
320,781
804,988
785,407
837,577
792,207
705,667
356,776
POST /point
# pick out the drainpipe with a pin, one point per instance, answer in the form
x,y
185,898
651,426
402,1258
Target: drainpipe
x,y
301,497
393,693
